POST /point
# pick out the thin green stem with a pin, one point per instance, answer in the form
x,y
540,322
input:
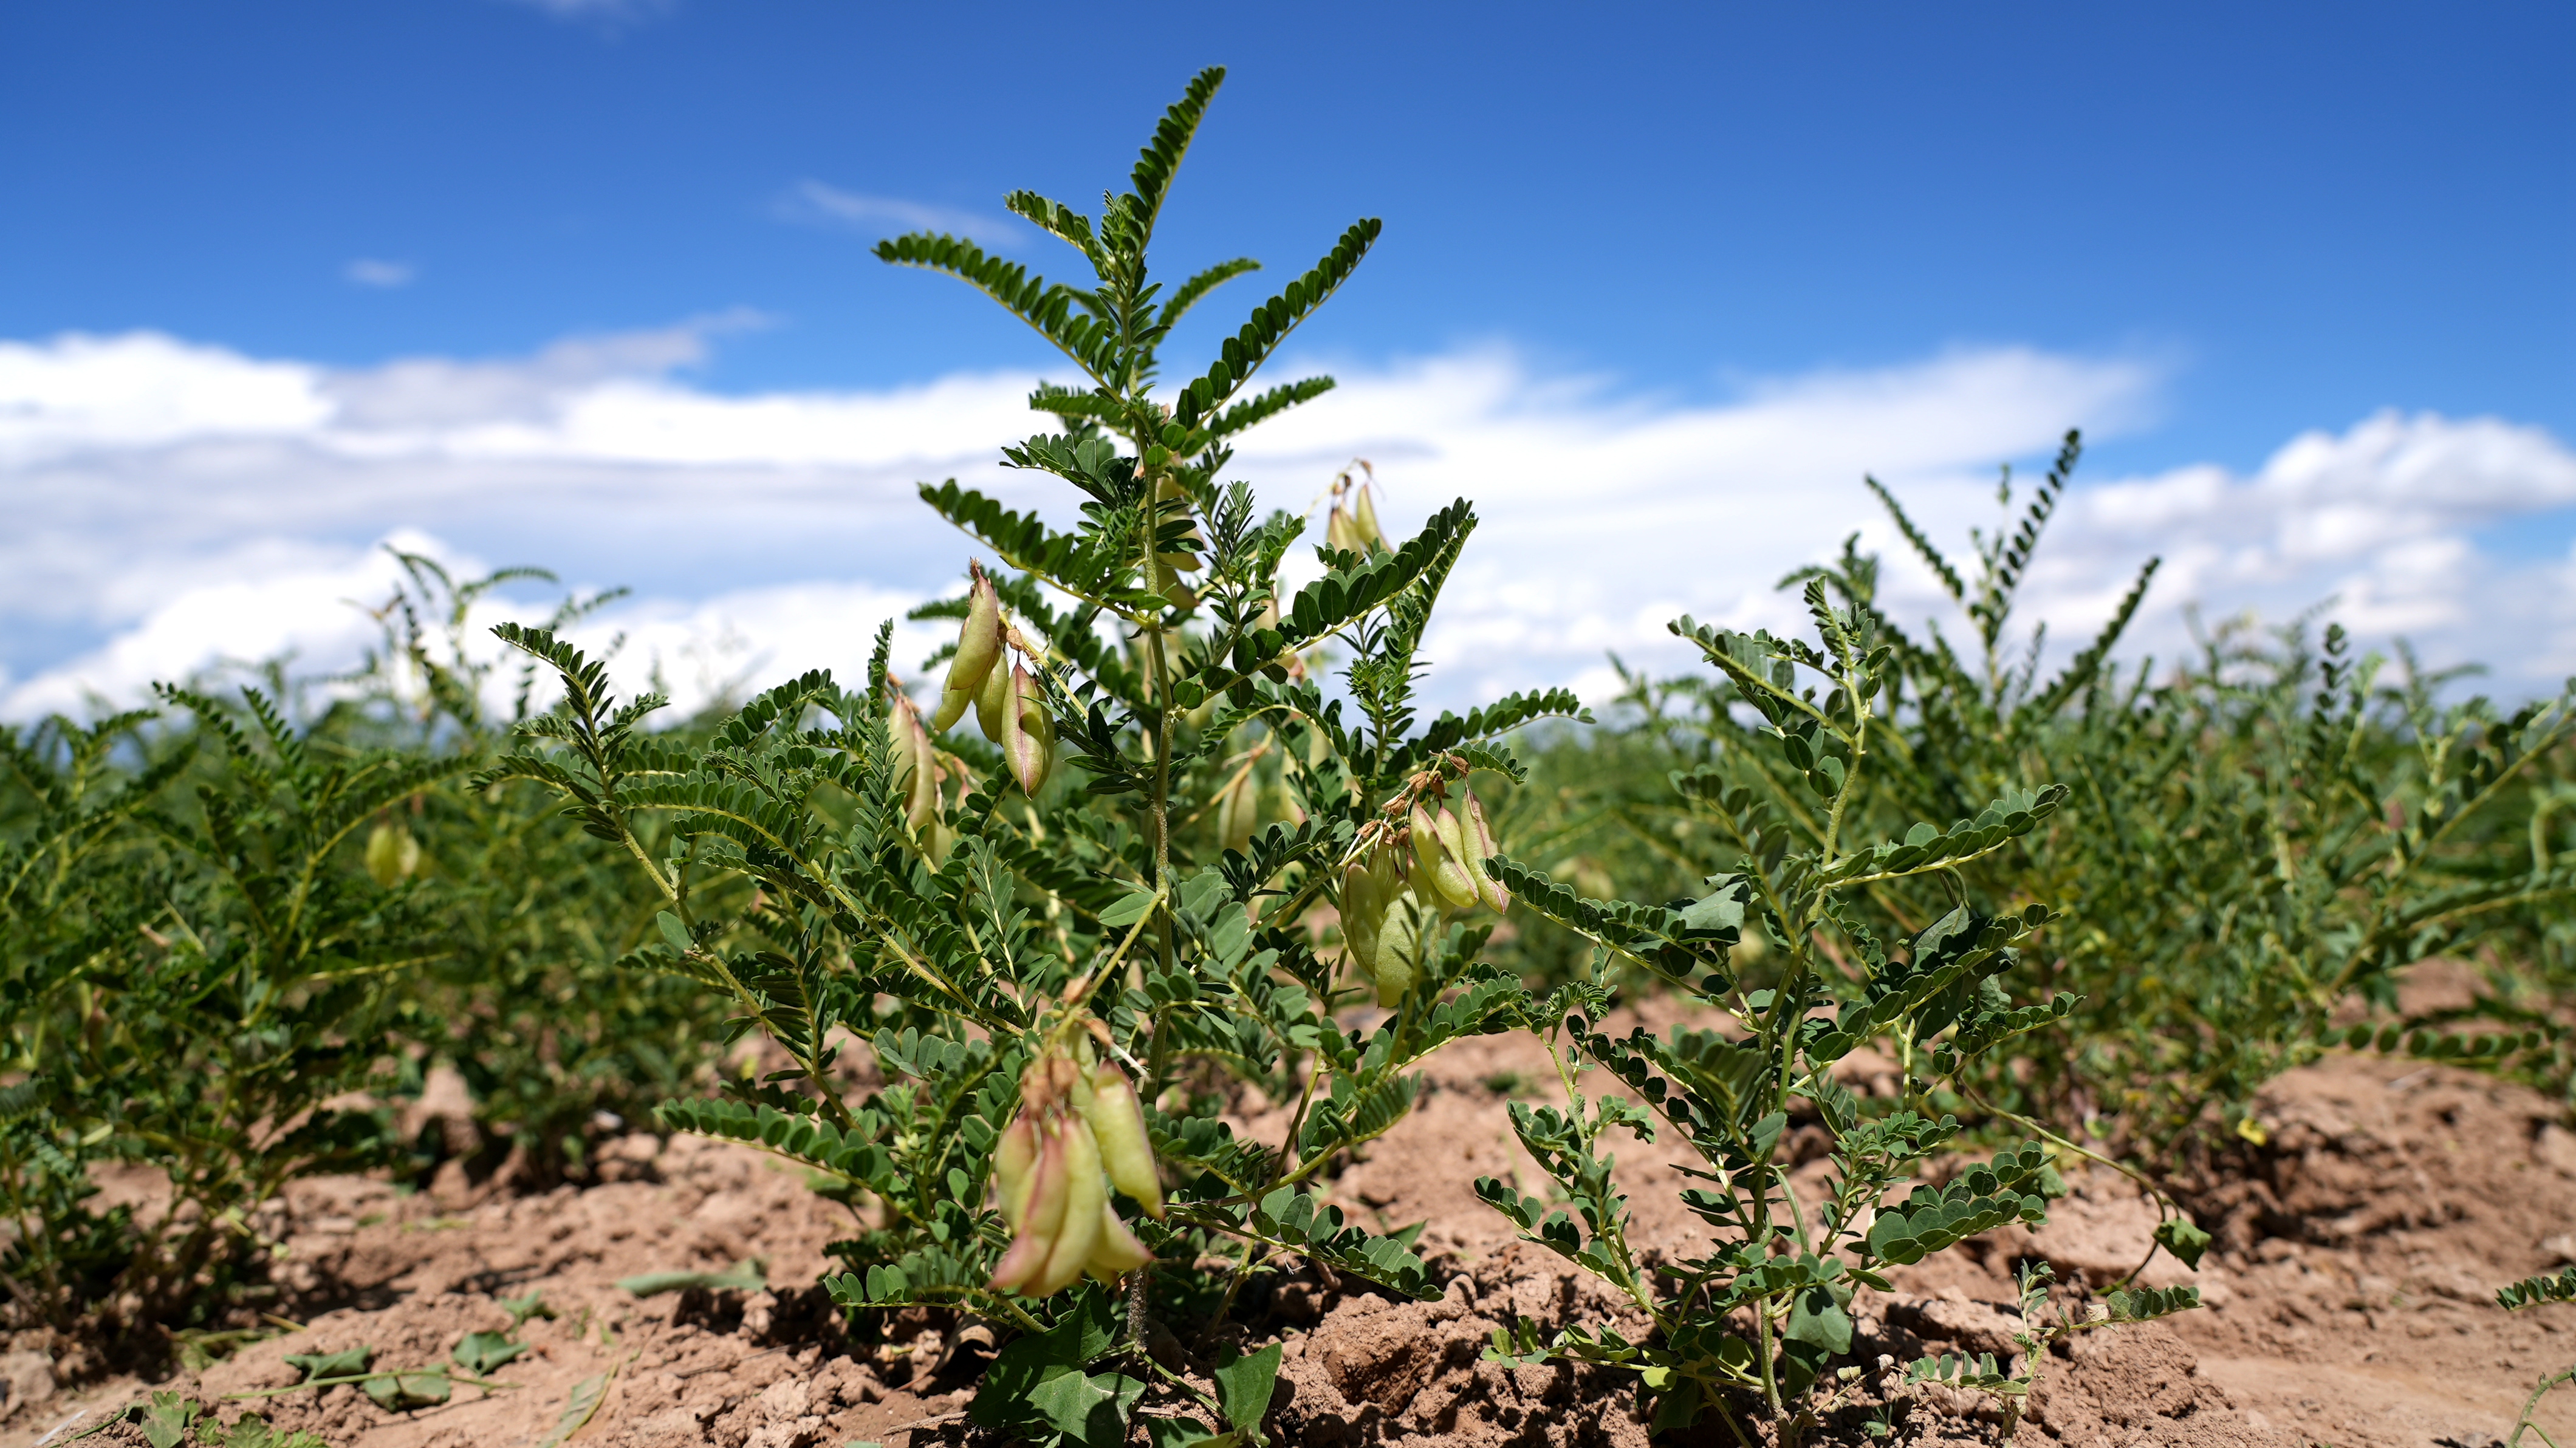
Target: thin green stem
x,y
2531,1405
445,1374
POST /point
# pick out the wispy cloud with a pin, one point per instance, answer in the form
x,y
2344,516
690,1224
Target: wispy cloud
x,y
610,12
814,203
368,271
173,500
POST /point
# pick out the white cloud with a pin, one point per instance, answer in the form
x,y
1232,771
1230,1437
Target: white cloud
x,y
816,203
105,395
173,502
368,271
322,613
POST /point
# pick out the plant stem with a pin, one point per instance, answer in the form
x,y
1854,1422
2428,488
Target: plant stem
x,y
2531,1405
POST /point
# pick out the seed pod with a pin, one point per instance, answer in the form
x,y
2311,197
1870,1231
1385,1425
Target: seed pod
x,y
1482,847
392,854
979,647
1238,810
1363,910
1040,1221
1118,1125
1453,844
1431,851
1399,939
1386,875
1423,833
1013,1156
899,747
1342,533
1117,1252
1028,733
1086,1201
993,702
916,769
923,806
1364,521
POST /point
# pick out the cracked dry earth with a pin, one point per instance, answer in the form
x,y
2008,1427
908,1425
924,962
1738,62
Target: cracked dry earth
x,y
2350,1298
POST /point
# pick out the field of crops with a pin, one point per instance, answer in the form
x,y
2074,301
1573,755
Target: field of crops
x,y
1151,1020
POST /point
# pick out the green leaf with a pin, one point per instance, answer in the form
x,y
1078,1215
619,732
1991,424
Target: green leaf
x,y
1009,1392
2559,1286
251,1430
1128,910
165,1423
1027,544
2184,1239
1345,594
1087,1408
332,1364
1819,1320
1244,1385
579,1405
1202,283
480,1352
1151,178
402,1392
1049,308
741,1277
1676,1408
674,934
2142,1304
523,1308
1245,351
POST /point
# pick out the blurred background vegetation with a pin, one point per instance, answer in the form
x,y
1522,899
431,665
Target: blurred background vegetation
x,y
245,930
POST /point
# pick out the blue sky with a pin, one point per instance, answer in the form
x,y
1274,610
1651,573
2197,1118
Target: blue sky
x,y
2271,220
2313,211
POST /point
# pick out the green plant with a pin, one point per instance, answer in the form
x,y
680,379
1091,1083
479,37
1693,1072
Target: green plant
x,y
2044,1325
556,1042
400,1389
252,1431
285,901
2251,850
1033,955
1764,1312
2559,1286
67,822
220,937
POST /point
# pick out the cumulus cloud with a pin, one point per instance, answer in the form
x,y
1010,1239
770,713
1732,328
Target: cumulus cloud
x,y
324,613
174,502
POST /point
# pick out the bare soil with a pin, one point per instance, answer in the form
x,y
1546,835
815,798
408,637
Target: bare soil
x,y
2350,1299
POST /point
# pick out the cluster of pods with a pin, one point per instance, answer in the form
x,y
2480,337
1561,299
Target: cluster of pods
x,y
1352,526
1080,1134
1009,707
1394,898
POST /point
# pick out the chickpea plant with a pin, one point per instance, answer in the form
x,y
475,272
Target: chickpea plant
x,y
1758,1323
1072,934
